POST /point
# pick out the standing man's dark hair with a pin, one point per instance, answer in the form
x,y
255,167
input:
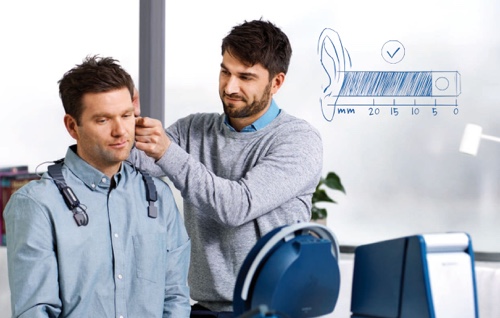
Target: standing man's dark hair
x,y
259,42
241,173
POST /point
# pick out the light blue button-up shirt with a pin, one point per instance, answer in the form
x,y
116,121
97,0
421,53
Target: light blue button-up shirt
x,y
262,121
122,264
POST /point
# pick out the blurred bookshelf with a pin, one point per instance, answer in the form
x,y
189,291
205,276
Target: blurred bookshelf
x,y
11,179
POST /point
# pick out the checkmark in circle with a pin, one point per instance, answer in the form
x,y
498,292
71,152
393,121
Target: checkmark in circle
x,y
393,51
392,55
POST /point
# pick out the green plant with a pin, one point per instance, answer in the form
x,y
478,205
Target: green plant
x,y
332,181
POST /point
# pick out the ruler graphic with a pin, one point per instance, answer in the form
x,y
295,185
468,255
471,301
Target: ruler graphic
x,y
379,88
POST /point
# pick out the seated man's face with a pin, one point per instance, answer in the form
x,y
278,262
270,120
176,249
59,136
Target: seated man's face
x,y
106,130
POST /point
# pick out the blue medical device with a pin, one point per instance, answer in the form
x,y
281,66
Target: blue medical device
x,y
291,272
421,276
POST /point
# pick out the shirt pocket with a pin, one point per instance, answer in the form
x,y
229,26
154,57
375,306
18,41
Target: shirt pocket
x,y
150,253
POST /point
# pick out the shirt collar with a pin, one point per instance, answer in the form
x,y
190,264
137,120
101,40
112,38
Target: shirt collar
x,y
262,121
89,175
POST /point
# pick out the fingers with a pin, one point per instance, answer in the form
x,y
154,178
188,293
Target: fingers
x,y
146,122
154,148
148,128
147,138
150,137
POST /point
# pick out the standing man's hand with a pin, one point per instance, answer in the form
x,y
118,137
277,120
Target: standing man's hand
x,y
136,102
150,137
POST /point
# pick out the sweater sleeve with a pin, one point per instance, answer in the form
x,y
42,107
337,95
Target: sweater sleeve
x,y
288,170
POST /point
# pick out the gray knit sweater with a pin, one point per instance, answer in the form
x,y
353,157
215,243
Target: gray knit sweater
x,y
236,188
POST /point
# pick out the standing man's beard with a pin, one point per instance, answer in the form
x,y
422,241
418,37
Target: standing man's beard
x,y
249,110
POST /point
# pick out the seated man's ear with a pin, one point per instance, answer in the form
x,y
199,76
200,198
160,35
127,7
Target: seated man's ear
x,y
71,124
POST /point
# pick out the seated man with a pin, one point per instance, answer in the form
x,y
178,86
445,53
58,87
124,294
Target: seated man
x,y
114,246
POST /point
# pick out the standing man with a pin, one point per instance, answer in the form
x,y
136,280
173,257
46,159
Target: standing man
x,y
241,173
95,237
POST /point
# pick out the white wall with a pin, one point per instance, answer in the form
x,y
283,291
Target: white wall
x,y
403,175
40,40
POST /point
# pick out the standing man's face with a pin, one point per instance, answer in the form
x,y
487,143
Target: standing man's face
x,y
245,91
106,129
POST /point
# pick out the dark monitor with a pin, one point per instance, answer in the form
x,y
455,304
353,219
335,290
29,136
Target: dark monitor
x,y
419,276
